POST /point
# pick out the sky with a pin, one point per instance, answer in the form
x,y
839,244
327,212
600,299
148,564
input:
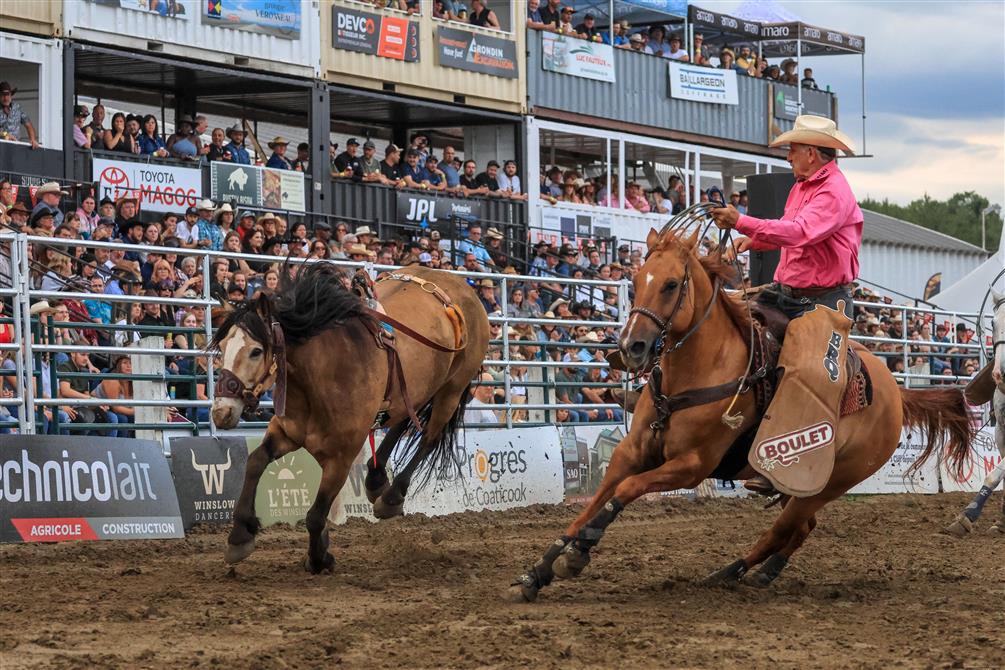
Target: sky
x,y
934,89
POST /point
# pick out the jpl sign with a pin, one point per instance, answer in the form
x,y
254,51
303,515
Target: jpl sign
x,y
160,188
428,210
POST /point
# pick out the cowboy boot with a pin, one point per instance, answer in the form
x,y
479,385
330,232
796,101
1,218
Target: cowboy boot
x,y
627,399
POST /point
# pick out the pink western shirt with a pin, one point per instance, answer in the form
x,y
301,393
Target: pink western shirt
x,y
819,234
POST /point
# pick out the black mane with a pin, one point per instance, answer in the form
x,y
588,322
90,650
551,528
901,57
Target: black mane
x,y
312,301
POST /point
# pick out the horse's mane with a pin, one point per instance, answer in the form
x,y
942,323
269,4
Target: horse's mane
x,y
716,268
313,300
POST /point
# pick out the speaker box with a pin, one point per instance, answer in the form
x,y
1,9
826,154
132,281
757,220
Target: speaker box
x,y
767,194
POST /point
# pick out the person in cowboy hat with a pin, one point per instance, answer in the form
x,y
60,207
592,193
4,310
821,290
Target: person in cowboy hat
x,y
210,234
278,158
357,253
238,154
819,235
224,218
18,215
12,117
49,196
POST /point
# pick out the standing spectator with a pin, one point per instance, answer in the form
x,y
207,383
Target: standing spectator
x,y
431,176
565,26
700,51
235,151
746,59
534,19
278,159
727,61
635,198
410,171
488,179
12,117
184,143
483,16
217,147
656,46
97,124
620,37
81,135
637,43
117,138
588,28
390,167
509,180
369,166
449,171
789,75
808,80
551,14
469,181
675,52
150,140
420,143
347,163
302,163
118,389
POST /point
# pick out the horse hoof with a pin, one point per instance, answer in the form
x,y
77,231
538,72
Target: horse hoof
x,y
758,580
960,527
570,564
238,552
728,577
382,510
373,495
520,593
327,564
997,529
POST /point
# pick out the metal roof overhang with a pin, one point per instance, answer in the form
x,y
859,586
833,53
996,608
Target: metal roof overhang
x,y
374,108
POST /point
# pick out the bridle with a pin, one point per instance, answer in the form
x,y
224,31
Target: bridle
x,y
229,385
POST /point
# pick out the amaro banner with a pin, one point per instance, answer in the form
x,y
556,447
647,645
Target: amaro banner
x,y
56,488
375,34
279,18
160,188
579,58
702,84
476,52
208,476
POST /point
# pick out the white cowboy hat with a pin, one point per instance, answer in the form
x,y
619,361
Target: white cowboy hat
x,y
224,208
363,230
50,187
816,131
493,233
357,250
206,204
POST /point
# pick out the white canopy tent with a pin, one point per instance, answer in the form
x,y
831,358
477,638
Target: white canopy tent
x,y
967,294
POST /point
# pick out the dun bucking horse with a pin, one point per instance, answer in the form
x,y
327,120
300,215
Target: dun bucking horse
x,y
339,369
712,372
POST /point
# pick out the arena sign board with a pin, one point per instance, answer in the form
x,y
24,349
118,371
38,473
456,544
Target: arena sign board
x,y
576,57
208,476
375,34
702,84
476,52
160,188
175,9
436,211
256,186
984,457
287,488
787,104
57,488
501,469
278,18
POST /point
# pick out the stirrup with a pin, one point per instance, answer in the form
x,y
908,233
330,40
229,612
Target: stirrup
x,y
760,485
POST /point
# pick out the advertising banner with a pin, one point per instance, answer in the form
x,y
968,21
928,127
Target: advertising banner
x,y
476,52
893,477
255,186
168,9
160,188
208,475
287,488
56,488
572,225
278,18
436,211
375,34
787,103
576,57
702,84
501,469
984,457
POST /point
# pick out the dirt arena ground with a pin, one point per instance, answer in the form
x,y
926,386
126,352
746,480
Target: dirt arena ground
x,y
875,587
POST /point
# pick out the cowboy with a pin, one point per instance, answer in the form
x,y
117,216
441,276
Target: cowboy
x,y
49,195
819,236
210,234
238,154
278,158
12,117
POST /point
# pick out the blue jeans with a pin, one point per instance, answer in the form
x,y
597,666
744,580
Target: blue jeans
x,y
48,428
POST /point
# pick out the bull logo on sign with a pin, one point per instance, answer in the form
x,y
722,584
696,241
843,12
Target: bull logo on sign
x,y
212,474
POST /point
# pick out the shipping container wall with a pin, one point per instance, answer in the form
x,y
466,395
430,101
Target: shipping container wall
x,y
39,17
285,43
428,77
34,66
907,269
641,96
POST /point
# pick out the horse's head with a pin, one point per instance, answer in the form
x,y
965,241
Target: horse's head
x,y
248,366
998,338
664,305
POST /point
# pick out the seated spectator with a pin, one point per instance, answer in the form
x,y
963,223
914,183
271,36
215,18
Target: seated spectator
x,y
588,28
493,245
234,151
534,19
509,181
473,245
278,159
587,193
81,133
773,73
469,184
88,216
675,52
184,144
12,117
390,167
613,199
471,263
118,389
42,221
482,16
79,362
479,408
808,80
715,195
635,199
302,163
150,140
49,196
700,50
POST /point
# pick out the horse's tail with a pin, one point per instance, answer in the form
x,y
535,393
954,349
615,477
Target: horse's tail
x,y
944,416
442,460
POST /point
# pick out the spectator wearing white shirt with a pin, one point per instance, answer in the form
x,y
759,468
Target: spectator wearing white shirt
x,y
187,230
509,181
479,408
676,52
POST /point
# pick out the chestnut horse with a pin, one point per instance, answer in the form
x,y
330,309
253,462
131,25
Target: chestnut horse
x,y
322,339
700,336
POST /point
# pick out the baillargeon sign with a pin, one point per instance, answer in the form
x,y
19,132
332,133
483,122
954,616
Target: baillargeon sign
x,y
702,84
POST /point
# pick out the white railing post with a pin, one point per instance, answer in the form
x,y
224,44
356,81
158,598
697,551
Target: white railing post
x,y
22,308
207,280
